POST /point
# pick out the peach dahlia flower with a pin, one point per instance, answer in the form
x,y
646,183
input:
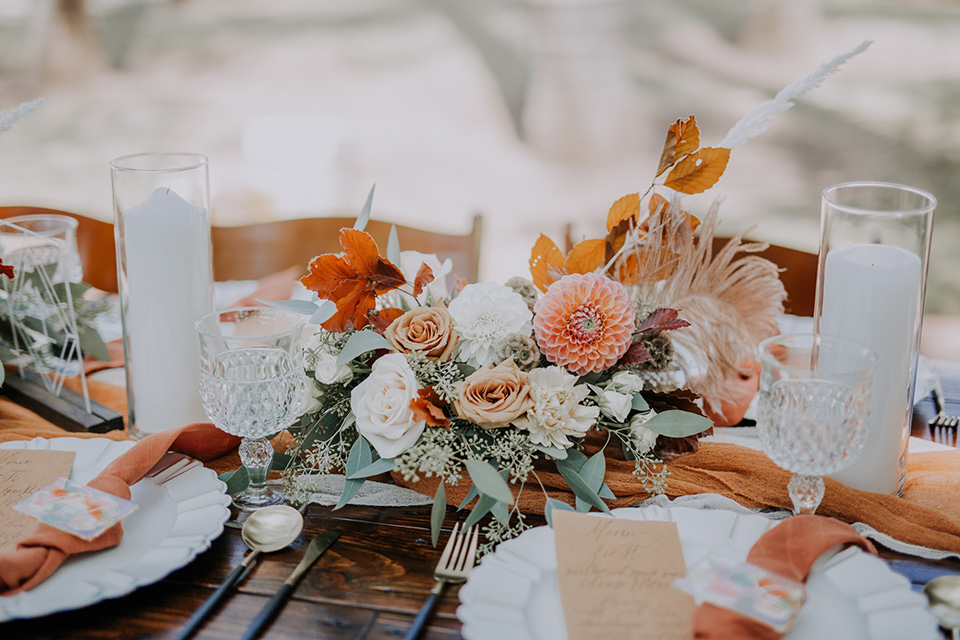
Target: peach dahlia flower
x,y
584,322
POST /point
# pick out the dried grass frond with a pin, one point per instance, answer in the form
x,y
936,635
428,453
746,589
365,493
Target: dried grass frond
x,y
732,299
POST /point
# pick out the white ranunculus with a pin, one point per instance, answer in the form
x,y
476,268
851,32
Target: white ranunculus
x,y
484,314
626,382
381,406
328,372
311,404
557,413
643,438
615,405
410,262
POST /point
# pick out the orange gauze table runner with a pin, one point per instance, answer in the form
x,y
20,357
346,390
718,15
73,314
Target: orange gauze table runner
x,y
925,516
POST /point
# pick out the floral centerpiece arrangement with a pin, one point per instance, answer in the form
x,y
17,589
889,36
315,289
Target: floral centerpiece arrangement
x,y
622,342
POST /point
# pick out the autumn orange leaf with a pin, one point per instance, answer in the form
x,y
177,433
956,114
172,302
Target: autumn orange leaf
x,y
657,204
546,262
383,318
623,209
683,137
586,256
428,408
424,277
6,269
698,171
352,280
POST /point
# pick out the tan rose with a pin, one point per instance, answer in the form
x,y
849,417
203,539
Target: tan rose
x,y
493,396
425,329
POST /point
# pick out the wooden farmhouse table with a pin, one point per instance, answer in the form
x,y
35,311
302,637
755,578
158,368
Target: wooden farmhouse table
x,y
369,585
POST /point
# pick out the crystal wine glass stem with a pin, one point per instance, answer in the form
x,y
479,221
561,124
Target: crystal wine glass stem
x,y
256,455
806,493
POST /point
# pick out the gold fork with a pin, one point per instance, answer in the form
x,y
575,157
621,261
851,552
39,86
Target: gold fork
x,y
455,563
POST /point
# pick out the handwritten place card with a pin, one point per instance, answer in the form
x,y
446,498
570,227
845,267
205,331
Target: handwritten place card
x,y
616,578
22,473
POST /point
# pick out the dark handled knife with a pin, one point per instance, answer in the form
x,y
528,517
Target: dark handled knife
x,y
317,546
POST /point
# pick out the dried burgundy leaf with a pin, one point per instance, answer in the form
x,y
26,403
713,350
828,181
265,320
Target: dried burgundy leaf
x,y
662,319
636,354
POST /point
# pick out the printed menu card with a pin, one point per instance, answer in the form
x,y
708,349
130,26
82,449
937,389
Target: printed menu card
x,y
616,578
23,472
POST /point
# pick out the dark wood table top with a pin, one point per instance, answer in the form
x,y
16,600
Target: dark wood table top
x,y
369,585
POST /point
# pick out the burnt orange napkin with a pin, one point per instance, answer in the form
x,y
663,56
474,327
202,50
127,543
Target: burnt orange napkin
x,y
789,550
38,557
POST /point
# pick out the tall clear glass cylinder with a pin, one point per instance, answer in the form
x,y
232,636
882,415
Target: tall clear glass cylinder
x,y
162,213
874,249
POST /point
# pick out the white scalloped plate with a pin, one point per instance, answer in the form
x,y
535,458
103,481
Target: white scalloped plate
x,y
175,521
513,594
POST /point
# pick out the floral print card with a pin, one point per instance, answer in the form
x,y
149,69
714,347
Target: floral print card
x,y
75,508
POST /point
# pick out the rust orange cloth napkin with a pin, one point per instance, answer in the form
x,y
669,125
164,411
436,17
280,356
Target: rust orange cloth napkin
x,y
789,550
36,558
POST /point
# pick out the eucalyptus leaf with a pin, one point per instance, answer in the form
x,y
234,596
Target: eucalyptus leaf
x,y
606,492
593,470
383,465
91,344
678,424
393,251
501,512
581,489
350,488
465,369
438,512
554,504
576,458
364,216
590,378
488,481
303,307
554,452
360,456
325,311
238,481
359,343
640,403
473,493
482,508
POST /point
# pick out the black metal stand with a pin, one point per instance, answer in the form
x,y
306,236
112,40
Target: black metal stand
x,y
67,410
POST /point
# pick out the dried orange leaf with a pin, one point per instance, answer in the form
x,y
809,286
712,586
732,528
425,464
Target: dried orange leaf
x,y
587,256
683,137
698,171
658,204
424,277
546,261
623,209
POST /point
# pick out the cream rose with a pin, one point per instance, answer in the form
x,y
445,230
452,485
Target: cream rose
x,y
328,371
493,396
381,405
428,330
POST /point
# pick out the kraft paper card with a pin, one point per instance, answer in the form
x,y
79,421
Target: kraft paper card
x,y
616,578
23,473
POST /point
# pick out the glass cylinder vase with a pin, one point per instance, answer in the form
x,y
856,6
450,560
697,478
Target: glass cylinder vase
x,y
161,207
874,249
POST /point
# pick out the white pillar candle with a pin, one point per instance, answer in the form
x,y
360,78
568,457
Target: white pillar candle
x,y
870,294
169,286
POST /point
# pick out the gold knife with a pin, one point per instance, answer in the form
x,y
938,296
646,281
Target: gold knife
x,y
317,546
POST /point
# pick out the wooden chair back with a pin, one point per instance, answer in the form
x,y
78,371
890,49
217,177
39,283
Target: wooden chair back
x,y
253,251
798,275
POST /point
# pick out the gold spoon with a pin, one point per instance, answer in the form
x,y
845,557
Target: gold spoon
x,y
268,529
943,595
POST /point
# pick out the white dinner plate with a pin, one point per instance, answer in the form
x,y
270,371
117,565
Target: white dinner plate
x,y
513,595
175,521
